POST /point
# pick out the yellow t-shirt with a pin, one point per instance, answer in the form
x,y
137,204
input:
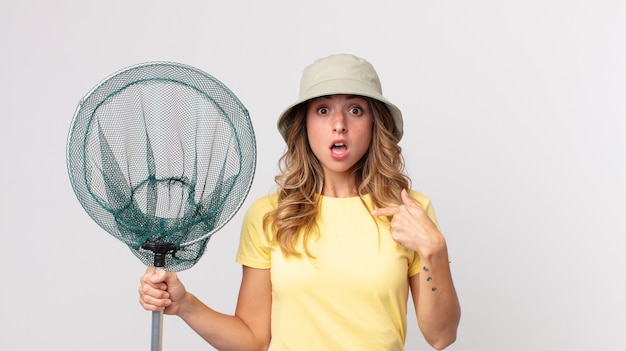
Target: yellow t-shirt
x,y
352,295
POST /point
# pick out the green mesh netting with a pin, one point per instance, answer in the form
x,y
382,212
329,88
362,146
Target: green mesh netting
x,y
161,155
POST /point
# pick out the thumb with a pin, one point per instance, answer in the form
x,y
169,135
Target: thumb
x,y
406,198
158,276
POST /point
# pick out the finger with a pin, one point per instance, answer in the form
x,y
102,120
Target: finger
x,y
158,276
386,211
153,299
149,307
153,304
406,198
151,279
159,291
391,211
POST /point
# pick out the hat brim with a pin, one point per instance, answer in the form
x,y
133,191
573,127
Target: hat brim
x,y
340,86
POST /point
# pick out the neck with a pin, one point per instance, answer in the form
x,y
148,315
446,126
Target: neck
x,y
342,187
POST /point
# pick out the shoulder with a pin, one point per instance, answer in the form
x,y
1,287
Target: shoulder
x,y
426,204
262,205
421,198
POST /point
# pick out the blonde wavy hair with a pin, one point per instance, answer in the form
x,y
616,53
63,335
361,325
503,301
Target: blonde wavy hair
x,y
380,173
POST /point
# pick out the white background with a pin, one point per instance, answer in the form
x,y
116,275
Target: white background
x,y
515,125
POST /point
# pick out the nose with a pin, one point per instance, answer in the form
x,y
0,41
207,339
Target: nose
x,y
339,123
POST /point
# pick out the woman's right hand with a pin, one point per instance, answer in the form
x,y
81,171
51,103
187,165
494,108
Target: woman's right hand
x,y
161,291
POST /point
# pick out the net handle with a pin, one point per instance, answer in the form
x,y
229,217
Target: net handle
x,y
156,334
160,250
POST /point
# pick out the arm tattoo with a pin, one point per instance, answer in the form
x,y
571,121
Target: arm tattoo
x,y
425,269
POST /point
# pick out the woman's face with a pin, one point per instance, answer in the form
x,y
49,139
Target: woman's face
x,y
339,128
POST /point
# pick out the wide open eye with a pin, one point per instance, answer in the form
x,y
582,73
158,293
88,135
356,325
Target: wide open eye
x,y
356,110
322,110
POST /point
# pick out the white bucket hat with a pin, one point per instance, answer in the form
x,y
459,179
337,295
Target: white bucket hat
x,y
340,74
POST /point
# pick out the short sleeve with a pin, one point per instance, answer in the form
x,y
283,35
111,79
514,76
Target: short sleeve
x,y
254,243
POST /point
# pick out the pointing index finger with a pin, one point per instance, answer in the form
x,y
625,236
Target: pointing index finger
x,y
385,211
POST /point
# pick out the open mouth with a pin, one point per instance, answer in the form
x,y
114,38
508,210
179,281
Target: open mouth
x,y
338,148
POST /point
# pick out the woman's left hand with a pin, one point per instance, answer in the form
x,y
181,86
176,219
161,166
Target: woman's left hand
x,y
412,228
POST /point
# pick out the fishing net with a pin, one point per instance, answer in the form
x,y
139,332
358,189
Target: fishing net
x,y
161,155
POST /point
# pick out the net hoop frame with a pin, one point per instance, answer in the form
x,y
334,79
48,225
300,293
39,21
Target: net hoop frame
x,y
183,68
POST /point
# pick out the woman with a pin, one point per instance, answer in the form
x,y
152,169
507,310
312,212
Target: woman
x,y
329,259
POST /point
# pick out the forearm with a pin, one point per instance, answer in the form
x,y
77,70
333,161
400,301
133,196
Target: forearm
x,y
436,304
222,331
